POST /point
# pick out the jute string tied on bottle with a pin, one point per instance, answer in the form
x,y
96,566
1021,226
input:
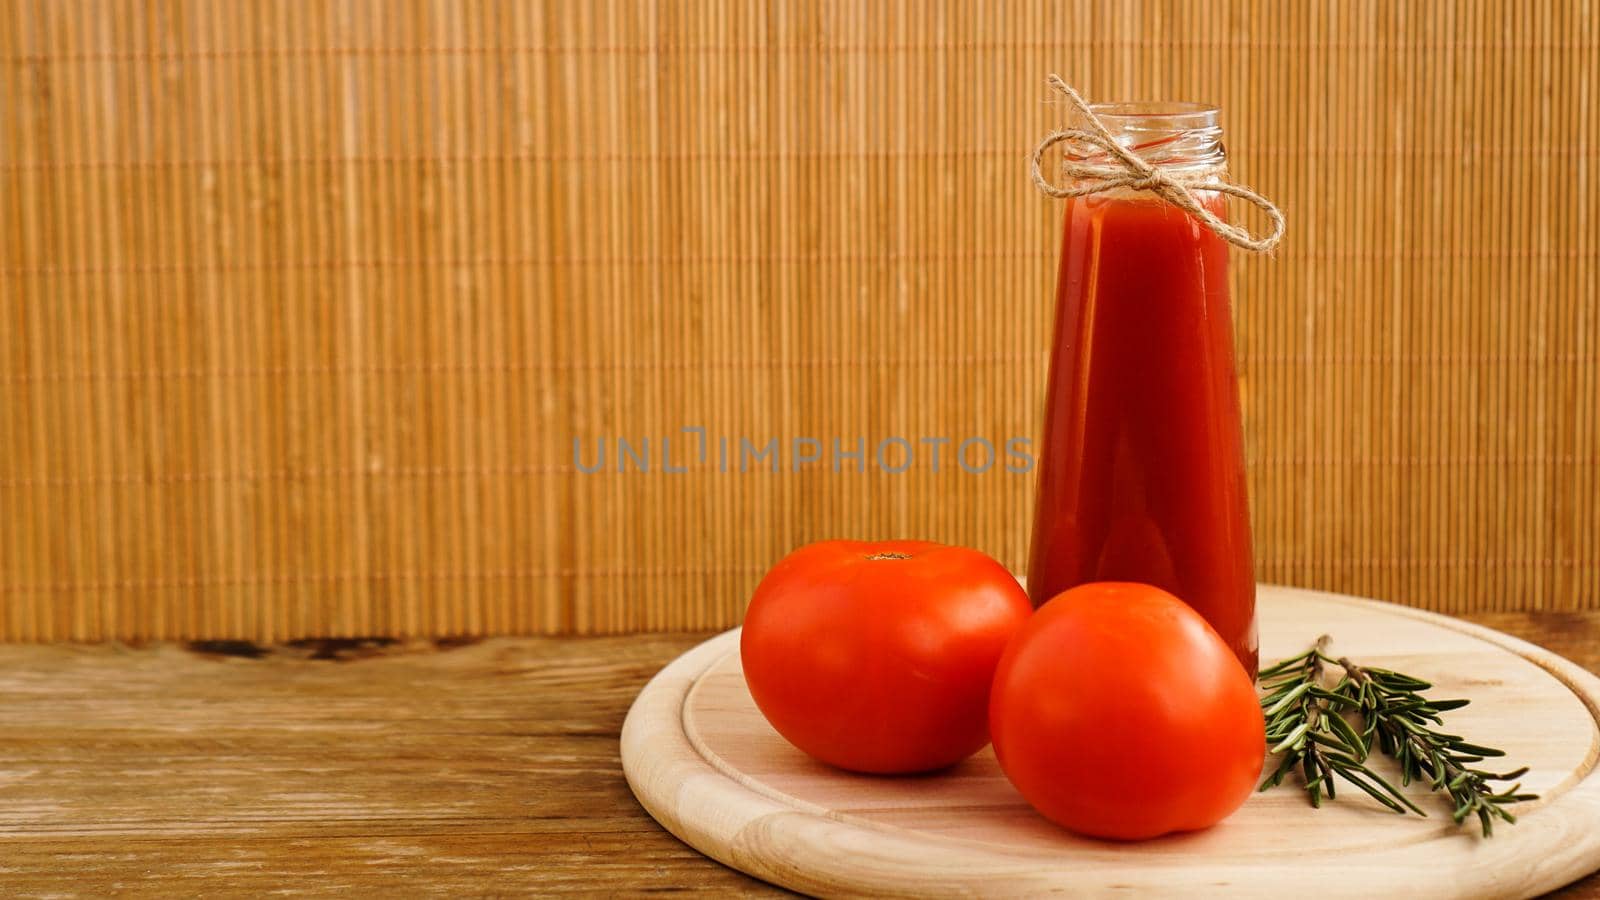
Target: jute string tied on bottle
x,y
1129,170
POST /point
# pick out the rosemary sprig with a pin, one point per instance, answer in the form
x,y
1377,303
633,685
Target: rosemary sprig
x,y
1394,710
1306,722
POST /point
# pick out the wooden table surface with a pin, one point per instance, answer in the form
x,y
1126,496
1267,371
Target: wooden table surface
x,y
340,767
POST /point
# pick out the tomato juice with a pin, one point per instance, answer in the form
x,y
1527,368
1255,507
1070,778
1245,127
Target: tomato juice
x,y
1141,469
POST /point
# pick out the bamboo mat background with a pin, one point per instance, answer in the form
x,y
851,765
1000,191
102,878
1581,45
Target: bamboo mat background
x,y
304,304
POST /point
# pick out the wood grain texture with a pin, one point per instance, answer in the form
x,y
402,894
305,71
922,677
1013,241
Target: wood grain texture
x,y
327,770
304,304
705,763
410,769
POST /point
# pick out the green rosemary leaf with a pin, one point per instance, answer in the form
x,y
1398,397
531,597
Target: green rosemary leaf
x,y
1353,776
1475,749
1396,680
1283,769
1313,780
1339,699
1347,734
1284,666
1334,756
1275,695
1394,792
1287,699
1289,741
1276,778
1331,741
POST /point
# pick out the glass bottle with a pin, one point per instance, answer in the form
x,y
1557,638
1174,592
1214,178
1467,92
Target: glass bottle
x,y
1141,469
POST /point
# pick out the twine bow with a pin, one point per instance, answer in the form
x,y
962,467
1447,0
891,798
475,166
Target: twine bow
x,y
1131,171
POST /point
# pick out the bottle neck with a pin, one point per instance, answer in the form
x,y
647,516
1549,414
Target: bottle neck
x,y
1183,137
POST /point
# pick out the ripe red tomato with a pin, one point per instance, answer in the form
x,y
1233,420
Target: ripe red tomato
x,y
1119,713
878,657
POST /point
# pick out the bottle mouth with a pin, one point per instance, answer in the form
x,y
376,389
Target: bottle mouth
x,y
1168,134
1157,116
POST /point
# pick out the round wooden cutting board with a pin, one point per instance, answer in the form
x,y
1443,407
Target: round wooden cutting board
x,y
703,761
